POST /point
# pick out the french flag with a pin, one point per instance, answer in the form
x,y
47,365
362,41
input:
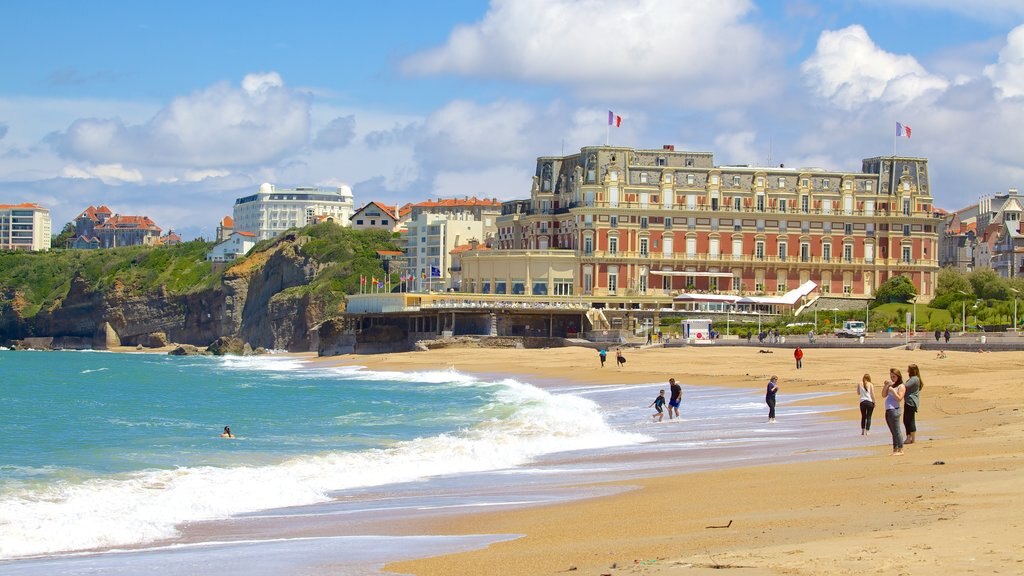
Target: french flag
x,y
614,120
902,130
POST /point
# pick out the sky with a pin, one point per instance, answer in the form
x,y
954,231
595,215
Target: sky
x,y
175,109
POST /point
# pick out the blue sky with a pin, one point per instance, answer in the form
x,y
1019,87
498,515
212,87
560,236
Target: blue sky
x,y
173,110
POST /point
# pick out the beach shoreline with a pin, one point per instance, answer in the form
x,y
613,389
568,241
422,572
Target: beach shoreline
x,y
947,504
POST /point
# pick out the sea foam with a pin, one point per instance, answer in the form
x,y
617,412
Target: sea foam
x,y
521,424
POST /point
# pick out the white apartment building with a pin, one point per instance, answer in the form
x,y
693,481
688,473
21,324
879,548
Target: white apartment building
x,y
273,210
430,239
24,227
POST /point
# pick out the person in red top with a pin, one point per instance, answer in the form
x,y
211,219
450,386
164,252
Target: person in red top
x,y
799,355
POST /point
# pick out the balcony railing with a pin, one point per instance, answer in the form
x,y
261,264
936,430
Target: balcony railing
x,y
729,209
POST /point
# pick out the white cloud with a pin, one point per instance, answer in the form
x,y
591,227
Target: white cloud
x,y
1007,75
337,134
200,175
501,182
219,126
702,53
849,70
110,174
465,134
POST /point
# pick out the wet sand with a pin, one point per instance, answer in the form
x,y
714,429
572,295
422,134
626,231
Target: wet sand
x,y
951,503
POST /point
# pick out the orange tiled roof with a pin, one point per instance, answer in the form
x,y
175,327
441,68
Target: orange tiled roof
x,y
469,248
384,207
22,205
119,221
390,252
404,210
247,234
228,222
457,203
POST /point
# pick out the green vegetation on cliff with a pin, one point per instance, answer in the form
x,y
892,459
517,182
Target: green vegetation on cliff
x,y
31,281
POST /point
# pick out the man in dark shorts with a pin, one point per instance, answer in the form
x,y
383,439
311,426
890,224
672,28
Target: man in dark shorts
x,y
658,404
675,399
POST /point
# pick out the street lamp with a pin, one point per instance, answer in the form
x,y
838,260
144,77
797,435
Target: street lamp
x,y
963,313
1015,292
834,312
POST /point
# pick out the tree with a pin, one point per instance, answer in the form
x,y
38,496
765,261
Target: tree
x,y
988,284
67,234
951,281
896,289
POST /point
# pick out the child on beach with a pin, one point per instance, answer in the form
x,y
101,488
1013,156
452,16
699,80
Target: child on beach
x,y
603,354
659,405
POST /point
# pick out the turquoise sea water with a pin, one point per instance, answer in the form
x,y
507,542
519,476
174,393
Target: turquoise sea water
x,y
108,452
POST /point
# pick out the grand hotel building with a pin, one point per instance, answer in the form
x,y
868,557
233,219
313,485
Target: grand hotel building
x,y
613,221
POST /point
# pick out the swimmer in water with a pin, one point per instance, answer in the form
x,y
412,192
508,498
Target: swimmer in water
x,y
227,433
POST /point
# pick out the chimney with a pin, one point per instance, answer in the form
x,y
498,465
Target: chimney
x,y
473,243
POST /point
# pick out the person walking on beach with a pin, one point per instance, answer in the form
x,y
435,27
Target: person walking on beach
x,y
946,335
893,390
603,354
798,354
659,405
866,392
619,358
675,399
912,402
227,433
769,397
938,334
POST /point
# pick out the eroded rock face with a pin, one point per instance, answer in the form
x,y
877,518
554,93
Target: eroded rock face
x,y
253,303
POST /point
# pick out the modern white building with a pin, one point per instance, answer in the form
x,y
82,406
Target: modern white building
x,y
237,244
273,210
430,239
24,227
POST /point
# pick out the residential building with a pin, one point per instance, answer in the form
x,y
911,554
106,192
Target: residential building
x,y
660,222
101,228
485,211
376,216
1003,241
428,242
90,218
24,227
237,244
118,231
273,210
958,239
510,225
224,229
170,239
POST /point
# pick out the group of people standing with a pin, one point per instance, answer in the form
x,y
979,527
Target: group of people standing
x,y
902,401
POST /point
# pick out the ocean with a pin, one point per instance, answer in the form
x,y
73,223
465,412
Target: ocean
x,y
112,463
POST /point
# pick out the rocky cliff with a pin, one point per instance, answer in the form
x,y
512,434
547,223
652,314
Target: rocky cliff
x,y
259,300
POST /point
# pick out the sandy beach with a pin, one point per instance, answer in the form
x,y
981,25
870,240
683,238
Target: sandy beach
x,y
951,503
